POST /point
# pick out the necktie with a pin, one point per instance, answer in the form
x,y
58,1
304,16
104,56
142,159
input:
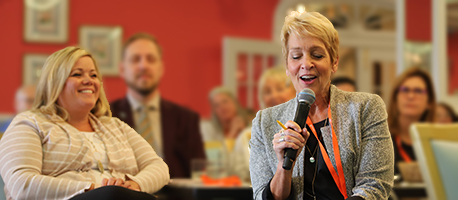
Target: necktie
x,y
144,125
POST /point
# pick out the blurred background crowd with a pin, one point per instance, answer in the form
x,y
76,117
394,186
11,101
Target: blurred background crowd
x,y
222,61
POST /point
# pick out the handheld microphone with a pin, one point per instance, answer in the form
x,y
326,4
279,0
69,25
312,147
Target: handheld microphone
x,y
305,98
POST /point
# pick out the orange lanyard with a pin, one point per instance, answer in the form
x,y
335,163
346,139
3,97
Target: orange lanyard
x,y
339,178
401,150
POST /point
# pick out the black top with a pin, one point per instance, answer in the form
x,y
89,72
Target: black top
x,y
324,186
397,156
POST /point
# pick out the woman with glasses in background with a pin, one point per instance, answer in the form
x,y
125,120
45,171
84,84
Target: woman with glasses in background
x,y
412,100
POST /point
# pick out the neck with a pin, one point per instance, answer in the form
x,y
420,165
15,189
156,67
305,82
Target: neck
x,y
318,110
404,125
140,98
226,125
79,120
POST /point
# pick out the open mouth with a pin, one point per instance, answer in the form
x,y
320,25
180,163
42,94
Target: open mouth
x,y
308,78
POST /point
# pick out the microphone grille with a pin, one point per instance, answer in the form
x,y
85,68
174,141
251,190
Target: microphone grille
x,y
306,95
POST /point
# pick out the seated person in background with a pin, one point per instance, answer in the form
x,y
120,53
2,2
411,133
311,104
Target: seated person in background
x,y
172,130
412,100
445,114
275,88
219,133
344,83
23,101
69,146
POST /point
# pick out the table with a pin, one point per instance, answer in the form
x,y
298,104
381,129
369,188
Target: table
x,y
187,189
406,189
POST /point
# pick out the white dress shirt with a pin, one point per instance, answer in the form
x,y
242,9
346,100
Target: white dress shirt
x,y
154,116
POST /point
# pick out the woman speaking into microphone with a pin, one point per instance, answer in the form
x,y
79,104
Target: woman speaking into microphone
x,y
344,151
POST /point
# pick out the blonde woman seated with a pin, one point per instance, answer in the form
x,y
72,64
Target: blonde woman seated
x,y
219,133
275,88
68,146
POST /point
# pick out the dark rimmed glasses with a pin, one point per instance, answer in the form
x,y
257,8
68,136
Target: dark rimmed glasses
x,y
417,91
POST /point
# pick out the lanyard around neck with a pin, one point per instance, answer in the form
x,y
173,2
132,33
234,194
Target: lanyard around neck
x,y
401,150
339,177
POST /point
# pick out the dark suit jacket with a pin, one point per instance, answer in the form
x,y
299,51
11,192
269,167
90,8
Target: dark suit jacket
x,y
181,136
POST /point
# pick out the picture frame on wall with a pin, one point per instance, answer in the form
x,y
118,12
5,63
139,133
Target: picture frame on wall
x,y
46,21
32,66
104,43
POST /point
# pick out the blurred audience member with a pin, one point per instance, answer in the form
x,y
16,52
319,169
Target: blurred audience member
x,y
412,100
171,129
219,133
344,83
69,146
445,114
23,101
275,88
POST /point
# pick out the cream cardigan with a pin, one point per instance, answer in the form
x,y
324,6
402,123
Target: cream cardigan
x,y
44,157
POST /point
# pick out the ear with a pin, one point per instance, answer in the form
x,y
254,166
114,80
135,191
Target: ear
x,y
121,69
161,69
287,72
335,65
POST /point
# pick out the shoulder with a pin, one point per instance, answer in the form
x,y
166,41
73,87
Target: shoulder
x,y
31,121
119,103
265,120
278,112
169,106
360,101
112,122
32,115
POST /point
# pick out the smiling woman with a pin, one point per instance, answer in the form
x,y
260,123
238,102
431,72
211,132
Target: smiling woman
x,y
346,132
68,146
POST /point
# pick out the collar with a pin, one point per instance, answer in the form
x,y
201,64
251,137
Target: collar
x,y
136,105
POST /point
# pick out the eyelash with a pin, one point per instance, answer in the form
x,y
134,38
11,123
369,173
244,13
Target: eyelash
x,y
316,56
77,74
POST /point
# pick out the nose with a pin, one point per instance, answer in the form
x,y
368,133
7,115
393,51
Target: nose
x,y
307,62
143,63
87,80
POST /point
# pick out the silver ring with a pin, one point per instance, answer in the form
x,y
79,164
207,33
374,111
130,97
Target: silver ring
x,y
282,139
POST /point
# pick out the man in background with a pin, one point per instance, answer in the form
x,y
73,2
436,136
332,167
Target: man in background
x,y
172,130
344,83
23,100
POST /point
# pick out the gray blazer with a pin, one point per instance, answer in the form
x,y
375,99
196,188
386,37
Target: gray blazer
x,y
366,150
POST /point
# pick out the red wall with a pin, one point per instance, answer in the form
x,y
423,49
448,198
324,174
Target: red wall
x,y
452,43
191,35
418,20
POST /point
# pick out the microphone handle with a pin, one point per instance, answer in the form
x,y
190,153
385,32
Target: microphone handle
x,y
300,118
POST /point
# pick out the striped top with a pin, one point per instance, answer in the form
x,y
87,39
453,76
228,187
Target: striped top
x,y
44,157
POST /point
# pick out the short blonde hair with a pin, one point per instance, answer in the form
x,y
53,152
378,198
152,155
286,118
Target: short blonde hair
x,y
54,75
276,73
313,24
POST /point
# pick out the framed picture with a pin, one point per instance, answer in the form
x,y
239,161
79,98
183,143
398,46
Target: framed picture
x,y
32,65
46,21
104,43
